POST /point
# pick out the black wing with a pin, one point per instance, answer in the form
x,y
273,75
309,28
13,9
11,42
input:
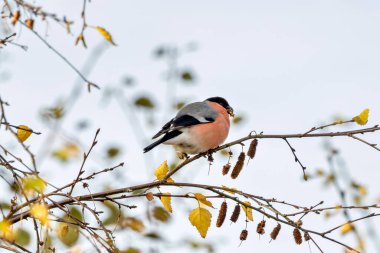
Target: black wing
x,y
182,121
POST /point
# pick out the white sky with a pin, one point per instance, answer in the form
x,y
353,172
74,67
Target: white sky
x,y
285,65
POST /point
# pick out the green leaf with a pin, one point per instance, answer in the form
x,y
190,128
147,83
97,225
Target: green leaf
x,y
144,102
114,213
187,76
159,213
22,237
113,152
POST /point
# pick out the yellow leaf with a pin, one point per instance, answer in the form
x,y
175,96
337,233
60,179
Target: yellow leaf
x,y
66,152
201,219
105,34
248,211
23,132
6,229
201,198
33,184
229,190
162,170
132,223
166,201
362,190
170,180
346,228
41,213
362,118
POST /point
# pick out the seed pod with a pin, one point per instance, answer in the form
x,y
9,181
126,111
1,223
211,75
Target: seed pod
x,y
235,213
243,235
222,214
238,166
29,23
297,236
16,17
260,227
226,169
252,149
306,236
275,232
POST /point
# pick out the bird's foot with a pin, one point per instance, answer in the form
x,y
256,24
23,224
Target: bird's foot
x,y
182,155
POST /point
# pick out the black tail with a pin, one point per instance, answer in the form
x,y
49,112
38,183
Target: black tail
x,y
166,137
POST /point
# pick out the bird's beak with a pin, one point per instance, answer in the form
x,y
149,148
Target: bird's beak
x,y
230,111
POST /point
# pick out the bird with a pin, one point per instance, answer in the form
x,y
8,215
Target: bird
x,y
197,127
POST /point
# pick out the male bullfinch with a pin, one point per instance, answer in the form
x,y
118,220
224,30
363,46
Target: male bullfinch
x,y
197,127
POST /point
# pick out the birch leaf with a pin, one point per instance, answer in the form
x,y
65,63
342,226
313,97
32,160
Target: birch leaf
x,y
201,219
105,34
248,211
167,202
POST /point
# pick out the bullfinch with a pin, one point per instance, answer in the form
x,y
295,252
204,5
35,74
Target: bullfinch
x,y
197,127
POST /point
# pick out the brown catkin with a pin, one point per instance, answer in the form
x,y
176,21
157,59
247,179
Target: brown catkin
x,y
260,227
252,149
275,232
222,214
226,169
238,166
306,236
235,213
297,236
243,235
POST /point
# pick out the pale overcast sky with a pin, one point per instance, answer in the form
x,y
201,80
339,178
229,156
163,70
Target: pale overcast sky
x,y
285,65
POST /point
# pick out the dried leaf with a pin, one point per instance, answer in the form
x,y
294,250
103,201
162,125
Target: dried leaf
x,y
105,34
362,118
23,132
16,17
149,196
29,23
201,219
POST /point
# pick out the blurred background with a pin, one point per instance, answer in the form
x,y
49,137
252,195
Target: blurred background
x,y
284,66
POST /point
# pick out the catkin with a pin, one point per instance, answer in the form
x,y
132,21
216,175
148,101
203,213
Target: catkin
x,y
260,227
275,232
235,213
297,236
238,166
226,169
306,236
222,214
243,235
252,149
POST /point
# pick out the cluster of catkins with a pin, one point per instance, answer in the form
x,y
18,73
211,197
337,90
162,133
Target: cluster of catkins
x,y
260,226
240,161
